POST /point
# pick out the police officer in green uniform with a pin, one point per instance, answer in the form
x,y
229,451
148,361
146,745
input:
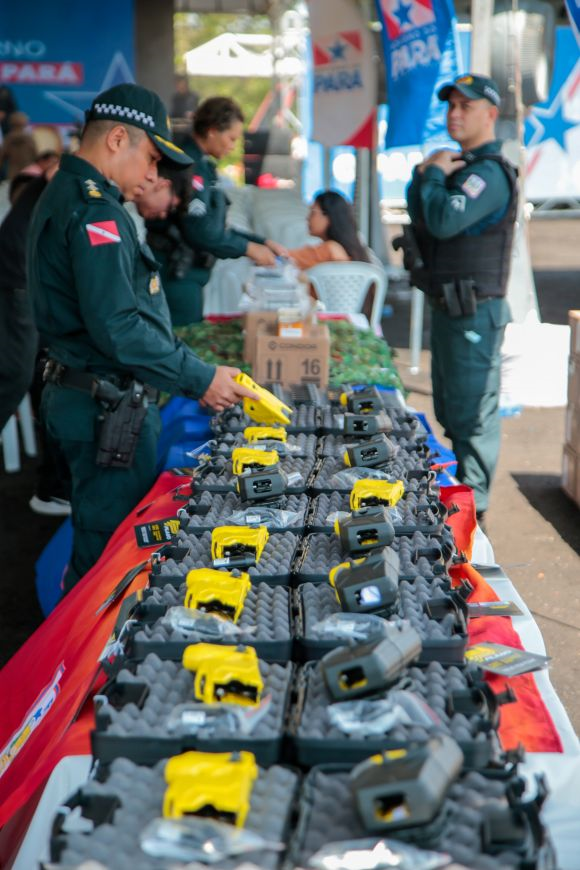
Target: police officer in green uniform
x,y
463,209
217,126
100,305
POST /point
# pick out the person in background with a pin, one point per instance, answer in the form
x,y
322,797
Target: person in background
x,y
184,101
98,297
331,219
463,209
8,106
217,126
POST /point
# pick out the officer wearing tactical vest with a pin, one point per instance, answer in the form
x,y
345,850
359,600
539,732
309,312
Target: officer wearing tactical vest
x,y
463,210
99,303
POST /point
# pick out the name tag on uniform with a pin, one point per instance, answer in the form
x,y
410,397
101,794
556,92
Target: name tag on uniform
x,y
473,186
154,285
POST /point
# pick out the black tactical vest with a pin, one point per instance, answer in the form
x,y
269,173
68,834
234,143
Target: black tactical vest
x,y
484,258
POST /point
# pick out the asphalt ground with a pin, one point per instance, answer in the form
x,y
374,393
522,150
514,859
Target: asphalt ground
x,y
534,527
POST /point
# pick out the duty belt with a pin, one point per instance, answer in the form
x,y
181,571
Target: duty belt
x,y
107,388
440,304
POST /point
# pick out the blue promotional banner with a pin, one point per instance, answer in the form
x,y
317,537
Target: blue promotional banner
x,y
56,59
421,53
573,9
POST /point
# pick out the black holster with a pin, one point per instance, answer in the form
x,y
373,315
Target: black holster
x,y
122,424
412,258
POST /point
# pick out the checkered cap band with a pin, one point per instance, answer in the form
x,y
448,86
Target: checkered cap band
x,y
123,112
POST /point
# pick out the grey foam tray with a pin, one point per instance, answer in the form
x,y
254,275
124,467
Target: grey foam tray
x,y
328,812
317,741
305,444
220,508
442,640
131,715
131,796
224,480
266,623
415,512
405,425
335,445
304,419
403,467
274,566
320,553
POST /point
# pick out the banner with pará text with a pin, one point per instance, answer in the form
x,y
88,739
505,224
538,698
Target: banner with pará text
x,y
421,49
344,75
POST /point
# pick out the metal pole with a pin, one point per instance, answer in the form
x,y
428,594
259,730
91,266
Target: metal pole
x,y
481,13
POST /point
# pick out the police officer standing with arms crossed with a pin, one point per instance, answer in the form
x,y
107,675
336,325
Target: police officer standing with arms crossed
x,y
99,303
463,210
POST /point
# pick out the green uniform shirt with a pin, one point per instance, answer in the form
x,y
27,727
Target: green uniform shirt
x,y
96,291
465,202
205,228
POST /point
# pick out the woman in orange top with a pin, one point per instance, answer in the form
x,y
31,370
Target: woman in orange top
x,y
331,218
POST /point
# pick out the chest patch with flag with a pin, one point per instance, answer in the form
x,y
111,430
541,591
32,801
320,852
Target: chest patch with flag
x,y
473,186
103,233
197,182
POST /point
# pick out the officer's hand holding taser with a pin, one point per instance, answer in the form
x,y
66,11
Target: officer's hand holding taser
x,y
224,391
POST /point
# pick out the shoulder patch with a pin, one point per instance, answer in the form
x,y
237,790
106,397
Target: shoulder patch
x,y
457,202
197,182
91,190
197,208
103,233
474,185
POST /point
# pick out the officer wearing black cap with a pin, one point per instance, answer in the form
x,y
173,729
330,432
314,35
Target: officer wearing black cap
x,y
463,209
99,303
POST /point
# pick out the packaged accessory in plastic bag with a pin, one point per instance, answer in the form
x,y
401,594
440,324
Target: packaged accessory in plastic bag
x,y
350,627
191,717
374,717
376,855
197,839
272,518
190,621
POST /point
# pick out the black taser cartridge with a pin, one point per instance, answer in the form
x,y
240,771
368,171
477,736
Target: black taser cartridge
x,y
364,530
367,401
370,585
406,788
373,453
365,425
262,486
350,672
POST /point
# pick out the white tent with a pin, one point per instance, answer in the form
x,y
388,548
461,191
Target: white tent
x,y
241,54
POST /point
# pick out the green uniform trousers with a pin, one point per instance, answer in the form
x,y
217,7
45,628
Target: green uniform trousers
x,y
101,497
465,370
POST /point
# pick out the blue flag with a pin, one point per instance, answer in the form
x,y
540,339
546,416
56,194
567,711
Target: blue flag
x,y
421,53
574,15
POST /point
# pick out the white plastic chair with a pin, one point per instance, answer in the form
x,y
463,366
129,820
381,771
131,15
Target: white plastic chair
x,y
343,287
9,436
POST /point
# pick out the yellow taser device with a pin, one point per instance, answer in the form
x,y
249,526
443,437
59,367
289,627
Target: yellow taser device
x,y
227,674
218,592
369,492
252,434
232,542
218,784
247,457
266,408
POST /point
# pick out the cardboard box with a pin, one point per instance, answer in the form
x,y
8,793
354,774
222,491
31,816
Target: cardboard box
x,y
573,427
253,321
571,473
292,360
574,381
574,321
